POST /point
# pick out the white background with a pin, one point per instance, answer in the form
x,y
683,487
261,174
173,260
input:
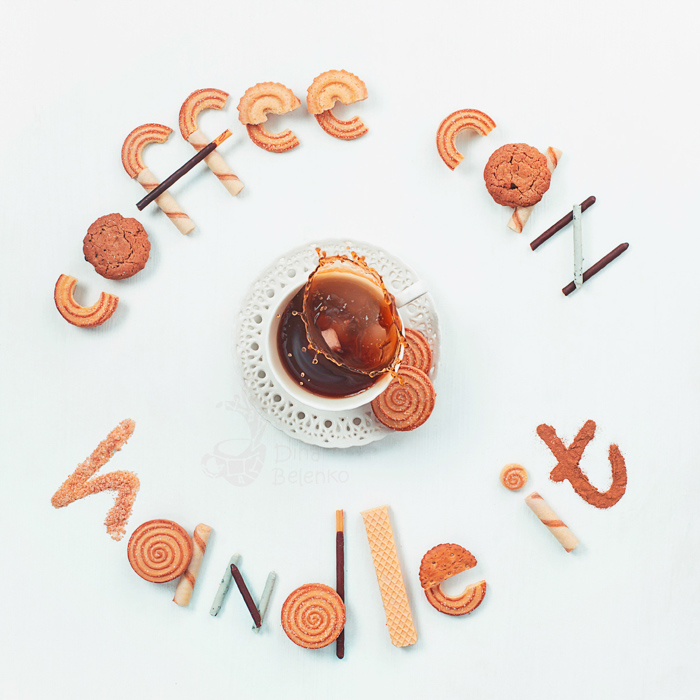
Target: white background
x,y
612,85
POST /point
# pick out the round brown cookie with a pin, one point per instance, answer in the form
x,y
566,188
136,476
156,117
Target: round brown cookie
x,y
517,175
116,247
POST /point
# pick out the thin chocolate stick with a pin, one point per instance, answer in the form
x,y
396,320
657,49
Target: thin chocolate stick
x,y
593,269
246,595
340,574
555,228
172,179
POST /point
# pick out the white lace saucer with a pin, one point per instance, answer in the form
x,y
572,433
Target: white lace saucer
x,y
316,427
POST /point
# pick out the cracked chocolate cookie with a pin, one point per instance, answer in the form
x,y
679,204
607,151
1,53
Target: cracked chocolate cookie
x,y
116,247
517,175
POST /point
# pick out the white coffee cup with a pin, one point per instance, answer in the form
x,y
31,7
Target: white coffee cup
x,y
303,395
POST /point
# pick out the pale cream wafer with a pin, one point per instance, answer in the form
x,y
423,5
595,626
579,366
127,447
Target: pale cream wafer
x,y
132,160
388,569
325,90
254,107
458,121
551,520
185,585
522,214
197,102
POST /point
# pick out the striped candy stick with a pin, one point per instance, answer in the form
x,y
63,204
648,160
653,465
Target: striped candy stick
x,y
185,585
551,520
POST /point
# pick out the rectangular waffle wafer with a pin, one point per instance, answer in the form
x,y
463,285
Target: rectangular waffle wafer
x,y
399,619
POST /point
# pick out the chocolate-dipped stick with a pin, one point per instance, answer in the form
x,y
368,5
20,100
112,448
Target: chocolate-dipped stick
x,y
340,575
555,228
250,604
597,267
198,157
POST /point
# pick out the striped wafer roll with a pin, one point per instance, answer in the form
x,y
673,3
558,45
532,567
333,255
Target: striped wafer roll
x,y
185,585
522,214
548,517
132,160
216,163
166,202
192,107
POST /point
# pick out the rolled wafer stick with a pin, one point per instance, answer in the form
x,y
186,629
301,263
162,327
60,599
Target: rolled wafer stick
x,y
559,225
340,575
265,598
185,586
522,214
132,160
594,269
224,585
172,179
248,599
551,520
217,164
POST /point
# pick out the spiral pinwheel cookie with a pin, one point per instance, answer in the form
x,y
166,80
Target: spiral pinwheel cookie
x,y
192,107
82,316
458,121
325,91
313,616
514,476
443,562
417,352
159,550
462,604
254,107
407,402
132,160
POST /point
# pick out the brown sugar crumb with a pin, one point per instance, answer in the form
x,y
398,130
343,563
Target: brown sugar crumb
x,y
126,484
517,175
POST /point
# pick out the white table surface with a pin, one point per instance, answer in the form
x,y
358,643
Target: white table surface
x,y
612,85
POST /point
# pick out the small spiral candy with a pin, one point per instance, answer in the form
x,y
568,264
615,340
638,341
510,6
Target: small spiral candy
x,y
407,402
514,476
159,550
313,616
417,352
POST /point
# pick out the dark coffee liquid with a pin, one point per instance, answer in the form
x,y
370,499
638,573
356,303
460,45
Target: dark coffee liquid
x,y
352,320
310,369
